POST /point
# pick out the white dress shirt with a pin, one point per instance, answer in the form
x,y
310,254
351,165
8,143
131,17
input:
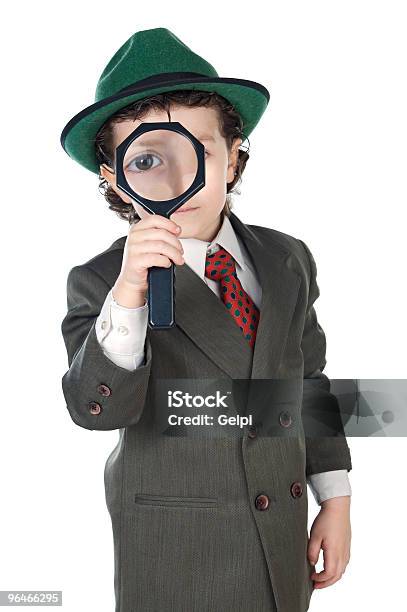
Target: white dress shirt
x,y
121,331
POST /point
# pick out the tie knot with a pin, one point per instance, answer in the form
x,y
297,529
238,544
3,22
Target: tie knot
x,y
219,264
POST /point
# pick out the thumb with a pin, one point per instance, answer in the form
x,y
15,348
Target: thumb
x,y
314,547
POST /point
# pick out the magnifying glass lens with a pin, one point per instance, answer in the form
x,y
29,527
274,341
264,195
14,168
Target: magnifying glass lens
x,y
160,164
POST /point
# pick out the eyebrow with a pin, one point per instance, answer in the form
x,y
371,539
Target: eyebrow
x,y
205,137
202,138
152,143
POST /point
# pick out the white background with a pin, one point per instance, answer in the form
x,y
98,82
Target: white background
x,y
327,165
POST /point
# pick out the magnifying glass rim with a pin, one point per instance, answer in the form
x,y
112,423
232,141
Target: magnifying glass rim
x,y
173,203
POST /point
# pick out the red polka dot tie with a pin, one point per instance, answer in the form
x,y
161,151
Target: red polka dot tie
x,y
220,266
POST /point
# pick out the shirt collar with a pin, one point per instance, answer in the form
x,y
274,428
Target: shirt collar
x,y
195,250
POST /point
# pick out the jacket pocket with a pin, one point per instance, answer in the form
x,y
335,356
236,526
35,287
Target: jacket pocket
x,y
175,501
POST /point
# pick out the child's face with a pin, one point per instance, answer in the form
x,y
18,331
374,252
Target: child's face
x,y
203,222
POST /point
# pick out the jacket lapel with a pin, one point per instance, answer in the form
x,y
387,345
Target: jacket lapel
x,y
280,285
198,310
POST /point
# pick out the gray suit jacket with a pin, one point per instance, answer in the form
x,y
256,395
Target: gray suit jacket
x,y
210,522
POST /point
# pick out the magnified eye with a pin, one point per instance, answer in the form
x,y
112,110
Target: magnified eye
x,y
143,162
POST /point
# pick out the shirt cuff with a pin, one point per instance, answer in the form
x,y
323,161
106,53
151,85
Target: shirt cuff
x,y
121,330
329,484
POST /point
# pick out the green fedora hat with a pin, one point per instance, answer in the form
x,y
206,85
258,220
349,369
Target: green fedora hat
x,y
151,62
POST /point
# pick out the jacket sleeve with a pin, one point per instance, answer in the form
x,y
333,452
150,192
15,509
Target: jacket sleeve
x,y
326,445
99,393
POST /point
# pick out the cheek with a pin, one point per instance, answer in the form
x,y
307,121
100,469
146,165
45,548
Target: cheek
x,y
215,178
212,196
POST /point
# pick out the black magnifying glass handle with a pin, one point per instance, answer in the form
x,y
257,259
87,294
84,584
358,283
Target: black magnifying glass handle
x,y
161,297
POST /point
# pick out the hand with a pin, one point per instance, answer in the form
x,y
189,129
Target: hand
x,y
331,531
152,241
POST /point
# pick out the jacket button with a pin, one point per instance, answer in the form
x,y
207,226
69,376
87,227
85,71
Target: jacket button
x,y
95,408
296,489
252,431
104,390
262,502
285,419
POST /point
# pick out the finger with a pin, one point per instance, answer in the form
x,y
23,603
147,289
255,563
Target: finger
x,y
314,548
332,566
157,221
147,260
158,246
326,583
154,233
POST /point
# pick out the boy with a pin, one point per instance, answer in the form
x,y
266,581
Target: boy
x,y
230,511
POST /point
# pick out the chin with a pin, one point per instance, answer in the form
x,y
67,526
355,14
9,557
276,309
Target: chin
x,y
189,230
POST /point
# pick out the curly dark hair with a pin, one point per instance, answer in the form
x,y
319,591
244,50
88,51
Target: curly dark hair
x,y
230,126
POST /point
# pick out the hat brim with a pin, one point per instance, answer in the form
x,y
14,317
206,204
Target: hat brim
x,y
249,98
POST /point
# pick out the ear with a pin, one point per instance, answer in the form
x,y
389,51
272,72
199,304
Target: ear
x,y
233,159
110,176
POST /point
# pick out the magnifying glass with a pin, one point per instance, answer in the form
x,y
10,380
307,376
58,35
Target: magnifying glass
x,y
161,165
